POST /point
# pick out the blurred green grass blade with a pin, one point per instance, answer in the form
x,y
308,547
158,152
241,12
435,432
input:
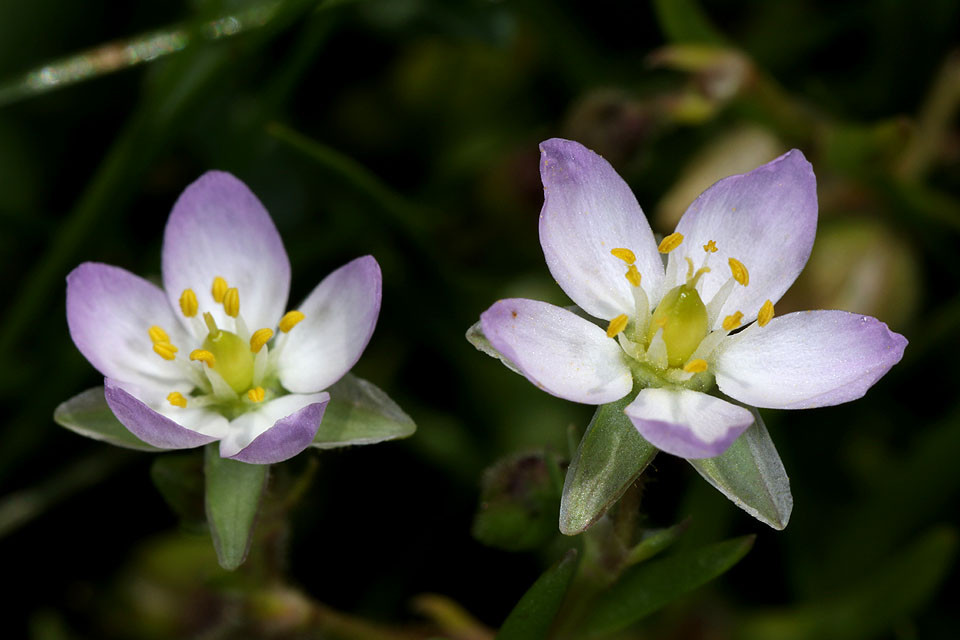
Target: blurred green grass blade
x,y
647,587
532,617
899,588
233,491
683,21
752,476
655,542
360,413
89,415
612,454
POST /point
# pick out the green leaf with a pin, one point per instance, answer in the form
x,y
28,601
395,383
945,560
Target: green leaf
x,y
533,615
684,21
233,493
648,587
476,337
89,415
654,542
179,479
360,413
752,476
612,454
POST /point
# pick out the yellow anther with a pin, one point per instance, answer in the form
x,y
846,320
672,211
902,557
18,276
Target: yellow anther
x,y
617,325
231,302
256,394
671,242
188,303
165,350
695,366
740,273
204,356
732,321
259,338
176,399
710,247
766,314
633,275
219,289
158,335
624,254
289,320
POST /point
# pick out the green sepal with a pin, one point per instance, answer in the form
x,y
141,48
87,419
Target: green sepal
x,y
179,479
89,415
360,413
532,617
233,491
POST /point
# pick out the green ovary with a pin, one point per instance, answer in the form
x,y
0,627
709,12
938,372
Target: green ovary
x,y
232,359
683,317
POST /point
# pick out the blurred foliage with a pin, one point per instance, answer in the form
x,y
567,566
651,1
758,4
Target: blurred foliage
x,y
408,129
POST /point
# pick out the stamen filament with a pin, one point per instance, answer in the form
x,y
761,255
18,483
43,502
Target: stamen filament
x,y
657,351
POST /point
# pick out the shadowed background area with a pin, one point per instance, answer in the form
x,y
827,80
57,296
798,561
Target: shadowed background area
x,y
408,129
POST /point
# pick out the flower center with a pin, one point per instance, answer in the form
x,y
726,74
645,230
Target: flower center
x,y
232,357
682,316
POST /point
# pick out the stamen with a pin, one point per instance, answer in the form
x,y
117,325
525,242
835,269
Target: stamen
x,y
633,276
731,322
176,399
157,335
740,273
617,325
219,289
231,302
670,243
259,338
710,247
256,394
204,356
188,303
211,323
695,366
165,350
289,320
624,254
689,267
766,314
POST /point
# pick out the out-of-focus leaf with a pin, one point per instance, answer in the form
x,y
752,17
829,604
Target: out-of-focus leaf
x,y
360,413
752,476
896,590
476,337
685,21
233,493
89,415
654,542
533,615
179,479
518,503
646,588
612,454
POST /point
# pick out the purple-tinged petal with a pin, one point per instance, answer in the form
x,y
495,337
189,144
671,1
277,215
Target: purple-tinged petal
x,y
218,227
807,359
110,312
165,427
687,423
588,210
339,317
558,351
276,431
766,219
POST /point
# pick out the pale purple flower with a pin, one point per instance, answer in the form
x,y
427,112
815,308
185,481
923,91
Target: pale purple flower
x,y
704,322
212,356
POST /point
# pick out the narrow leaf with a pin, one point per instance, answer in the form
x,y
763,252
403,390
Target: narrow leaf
x,y
89,415
179,479
752,476
476,337
360,413
533,615
233,493
684,21
612,454
648,587
654,542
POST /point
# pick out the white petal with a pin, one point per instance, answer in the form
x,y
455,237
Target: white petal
x,y
246,428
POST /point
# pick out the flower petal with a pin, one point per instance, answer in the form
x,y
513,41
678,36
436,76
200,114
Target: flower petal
x,y
109,313
766,219
588,210
558,351
687,423
167,427
276,431
218,227
340,315
807,359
